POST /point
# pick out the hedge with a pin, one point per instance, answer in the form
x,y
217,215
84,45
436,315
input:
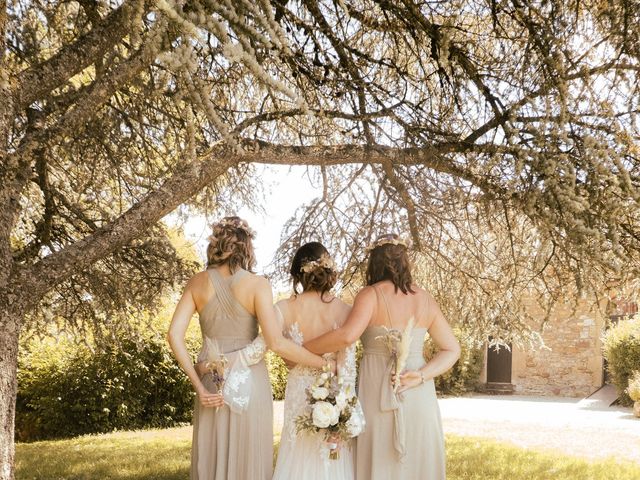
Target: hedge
x,y
621,349
66,390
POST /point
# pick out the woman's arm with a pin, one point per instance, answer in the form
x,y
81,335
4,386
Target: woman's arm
x,y
447,356
249,355
177,330
363,309
272,330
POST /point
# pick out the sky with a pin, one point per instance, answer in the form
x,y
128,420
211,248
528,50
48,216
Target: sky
x,y
286,189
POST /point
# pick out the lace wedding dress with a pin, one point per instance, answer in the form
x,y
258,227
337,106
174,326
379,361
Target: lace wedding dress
x,y
303,455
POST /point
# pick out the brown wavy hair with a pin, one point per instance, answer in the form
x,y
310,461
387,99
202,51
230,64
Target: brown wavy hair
x,y
390,262
320,278
231,243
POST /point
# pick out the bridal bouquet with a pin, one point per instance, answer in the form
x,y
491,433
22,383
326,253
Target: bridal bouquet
x,y
331,411
398,343
217,364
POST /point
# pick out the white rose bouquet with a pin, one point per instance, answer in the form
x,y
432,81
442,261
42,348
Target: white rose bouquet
x,y
331,411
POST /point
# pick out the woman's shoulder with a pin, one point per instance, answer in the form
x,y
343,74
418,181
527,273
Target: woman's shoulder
x,y
253,279
367,291
198,280
340,304
419,290
342,310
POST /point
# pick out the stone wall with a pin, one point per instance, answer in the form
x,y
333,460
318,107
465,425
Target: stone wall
x,y
571,365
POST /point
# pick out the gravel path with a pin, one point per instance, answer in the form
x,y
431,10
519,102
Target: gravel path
x,y
546,423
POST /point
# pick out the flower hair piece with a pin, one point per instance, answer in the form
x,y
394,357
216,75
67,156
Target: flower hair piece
x,y
231,222
324,261
389,239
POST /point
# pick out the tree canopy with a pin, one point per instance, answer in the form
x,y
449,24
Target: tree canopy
x,y
458,113
490,130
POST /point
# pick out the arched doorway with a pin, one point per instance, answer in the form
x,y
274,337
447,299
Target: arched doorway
x,y
499,362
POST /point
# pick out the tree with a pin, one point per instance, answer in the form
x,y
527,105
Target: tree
x,y
112,115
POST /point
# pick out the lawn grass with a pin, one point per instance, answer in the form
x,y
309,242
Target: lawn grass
x,y
164,455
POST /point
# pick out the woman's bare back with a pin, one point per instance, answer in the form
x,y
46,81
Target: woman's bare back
x,y
395,308
313,316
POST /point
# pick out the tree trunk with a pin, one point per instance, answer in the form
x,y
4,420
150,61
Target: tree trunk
x,y
9,317
9,333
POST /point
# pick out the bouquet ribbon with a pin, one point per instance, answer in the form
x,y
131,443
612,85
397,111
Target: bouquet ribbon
x,y
389,403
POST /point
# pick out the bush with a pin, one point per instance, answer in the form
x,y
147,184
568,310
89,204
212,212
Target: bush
x,y
634,387
278,374
465,374
66,390
621,349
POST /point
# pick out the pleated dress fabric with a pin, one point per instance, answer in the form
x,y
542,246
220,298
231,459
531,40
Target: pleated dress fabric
x,y
403,439
228,445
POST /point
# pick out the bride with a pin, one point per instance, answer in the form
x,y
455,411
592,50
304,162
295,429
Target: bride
x,y
305,316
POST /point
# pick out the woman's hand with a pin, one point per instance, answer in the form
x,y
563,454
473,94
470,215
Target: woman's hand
x,y
410,379
201,368
208,399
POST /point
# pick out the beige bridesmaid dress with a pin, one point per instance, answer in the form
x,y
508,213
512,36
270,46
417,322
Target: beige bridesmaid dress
x,y
234,442
403,439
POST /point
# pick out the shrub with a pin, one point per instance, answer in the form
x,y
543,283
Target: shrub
x,y
66,390
465,374
278,374
634,387
621,349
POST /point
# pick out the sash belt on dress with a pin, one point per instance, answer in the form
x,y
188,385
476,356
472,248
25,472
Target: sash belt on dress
x,y
389,402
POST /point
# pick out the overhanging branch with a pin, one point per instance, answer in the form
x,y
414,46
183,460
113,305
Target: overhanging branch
x,y
436,157
38,80
59,266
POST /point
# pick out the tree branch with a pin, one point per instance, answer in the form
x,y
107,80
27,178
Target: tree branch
x,y
38,80
76,118
432,156
59,266
409,204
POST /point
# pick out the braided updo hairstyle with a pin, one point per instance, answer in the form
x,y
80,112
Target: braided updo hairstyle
x,y
388,260
313,269
232,243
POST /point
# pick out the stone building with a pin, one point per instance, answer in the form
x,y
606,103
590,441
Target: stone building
x,y
571,365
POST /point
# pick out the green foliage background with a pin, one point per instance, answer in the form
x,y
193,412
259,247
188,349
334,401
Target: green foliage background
x,y
67,389
621,348
464,375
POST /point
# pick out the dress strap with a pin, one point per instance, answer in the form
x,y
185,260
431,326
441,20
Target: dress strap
x,y
237,275
386,305
223,293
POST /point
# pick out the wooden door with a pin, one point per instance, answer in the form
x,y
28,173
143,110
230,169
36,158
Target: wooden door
x,y
499,365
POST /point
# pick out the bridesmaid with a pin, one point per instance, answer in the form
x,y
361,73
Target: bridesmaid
x,y
403,438
232,431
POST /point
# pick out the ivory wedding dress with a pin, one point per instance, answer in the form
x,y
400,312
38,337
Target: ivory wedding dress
x,y
303,455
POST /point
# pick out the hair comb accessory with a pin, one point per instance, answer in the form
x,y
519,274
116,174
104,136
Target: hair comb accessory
x,y
389,239
324,261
